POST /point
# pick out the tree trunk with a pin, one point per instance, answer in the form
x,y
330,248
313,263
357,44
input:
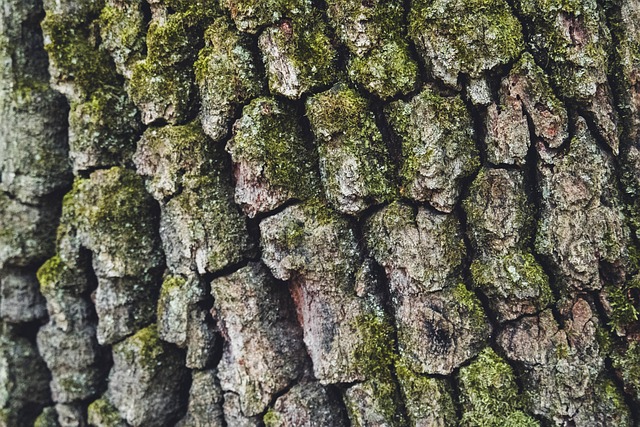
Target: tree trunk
x,y
319,213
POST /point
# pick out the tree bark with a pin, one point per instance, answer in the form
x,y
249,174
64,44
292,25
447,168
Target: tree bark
x,y
319,213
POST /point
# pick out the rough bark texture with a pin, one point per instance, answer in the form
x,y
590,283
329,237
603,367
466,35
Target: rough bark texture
x,y
319,213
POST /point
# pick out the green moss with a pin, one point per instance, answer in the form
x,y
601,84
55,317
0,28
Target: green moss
x,y
271,418
382,21
101,412
162,85
425,397
380,59
123,30
48,418
50,273
268,134
73,385
469,301
518,215
489,394
250,15
339,110
538,84
469,35
107,122
609,392
341,120
144,349
226,64
166,91
611,403
171,286
294,235
114,211
201,9
73,49
574,68
562,351
123,209
176,39
375,358
623,307
27,90
386,72
304,40
627,362
513,276
184,151
420,149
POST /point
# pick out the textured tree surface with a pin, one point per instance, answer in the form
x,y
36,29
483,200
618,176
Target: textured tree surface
x,y
319,213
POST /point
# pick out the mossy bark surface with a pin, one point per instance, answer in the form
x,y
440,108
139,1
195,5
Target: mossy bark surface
x,y
319,213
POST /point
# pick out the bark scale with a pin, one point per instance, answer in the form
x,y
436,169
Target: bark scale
x,y
319,213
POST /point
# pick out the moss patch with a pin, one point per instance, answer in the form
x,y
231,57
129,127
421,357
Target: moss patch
x,y
101,412
375,357
436,132
465,36
73,48
627,362
250,15
489,394
426,398
575,67
345,128
268,134
387,71
299,46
